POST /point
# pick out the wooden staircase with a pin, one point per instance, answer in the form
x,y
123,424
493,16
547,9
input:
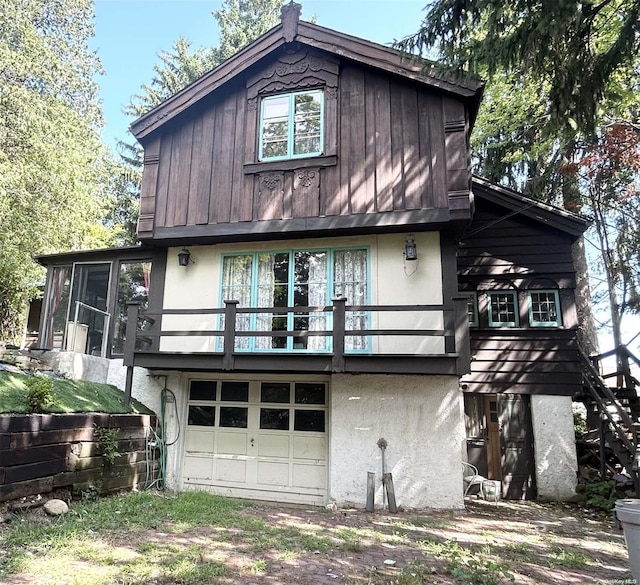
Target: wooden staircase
x,y
616,407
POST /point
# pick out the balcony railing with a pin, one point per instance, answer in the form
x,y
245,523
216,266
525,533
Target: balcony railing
x,y
336,356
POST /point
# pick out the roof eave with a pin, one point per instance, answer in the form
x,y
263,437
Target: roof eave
x,y
206,84
550,215
341,44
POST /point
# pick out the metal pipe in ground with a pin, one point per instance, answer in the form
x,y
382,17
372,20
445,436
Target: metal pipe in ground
x,y
382,445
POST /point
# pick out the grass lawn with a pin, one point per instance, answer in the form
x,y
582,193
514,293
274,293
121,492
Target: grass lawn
x,y
195,538
68,395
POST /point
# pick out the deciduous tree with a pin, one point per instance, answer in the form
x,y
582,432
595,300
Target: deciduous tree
x,y
609,177
50,154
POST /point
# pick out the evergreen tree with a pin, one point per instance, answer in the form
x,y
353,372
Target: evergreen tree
x,y
575,46
240,22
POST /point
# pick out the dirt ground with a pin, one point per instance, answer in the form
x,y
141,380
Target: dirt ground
x,y
521,542
526,536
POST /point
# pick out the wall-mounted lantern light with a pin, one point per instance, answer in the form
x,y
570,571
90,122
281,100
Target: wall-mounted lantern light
x,y
184,257
410,249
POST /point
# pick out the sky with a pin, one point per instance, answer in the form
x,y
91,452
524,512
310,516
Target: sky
x,y
129,34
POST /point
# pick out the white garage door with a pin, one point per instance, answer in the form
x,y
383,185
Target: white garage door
x,y
255,439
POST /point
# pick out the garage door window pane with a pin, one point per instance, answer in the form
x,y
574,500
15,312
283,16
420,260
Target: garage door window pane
x,y
235,392
309,420
309,393
275,392
274,418
202,390
203,416
234,417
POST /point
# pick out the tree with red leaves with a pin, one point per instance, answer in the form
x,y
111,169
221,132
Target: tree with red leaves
x,y
609,177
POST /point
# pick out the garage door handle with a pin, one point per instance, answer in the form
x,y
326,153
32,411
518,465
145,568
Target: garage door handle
x,y
252,442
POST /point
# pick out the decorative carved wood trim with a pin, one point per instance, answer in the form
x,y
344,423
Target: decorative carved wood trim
x,y
296,70
290,15
270,196
306,192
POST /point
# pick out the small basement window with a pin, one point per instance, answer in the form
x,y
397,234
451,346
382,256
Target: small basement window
x,y
544,308
291,125
503,309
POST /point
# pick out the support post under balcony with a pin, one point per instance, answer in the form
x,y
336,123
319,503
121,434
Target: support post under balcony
x,y
229,340
337,362
463,346
133,310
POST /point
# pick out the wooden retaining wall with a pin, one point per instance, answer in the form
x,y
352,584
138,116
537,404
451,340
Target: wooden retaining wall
x,y
43,453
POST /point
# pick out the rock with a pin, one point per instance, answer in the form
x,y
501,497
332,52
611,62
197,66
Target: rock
x,y
56,507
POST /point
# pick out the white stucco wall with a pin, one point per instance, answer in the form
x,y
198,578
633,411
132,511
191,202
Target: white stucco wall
x,y
147,388
397,282
554,447
392,282
422,419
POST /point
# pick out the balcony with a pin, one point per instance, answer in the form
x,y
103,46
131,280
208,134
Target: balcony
x,y
408,347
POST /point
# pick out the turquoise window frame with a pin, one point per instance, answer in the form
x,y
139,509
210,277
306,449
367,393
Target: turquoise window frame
x,y
556,297
290,284
290,126
514,296
472,301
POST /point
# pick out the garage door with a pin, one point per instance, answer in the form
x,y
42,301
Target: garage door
x,y
258,439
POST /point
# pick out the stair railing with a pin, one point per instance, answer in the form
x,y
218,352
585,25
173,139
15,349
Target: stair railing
x,y
620,421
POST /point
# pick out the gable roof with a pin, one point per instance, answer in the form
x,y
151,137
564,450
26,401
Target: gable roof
x,y
550,215
289,30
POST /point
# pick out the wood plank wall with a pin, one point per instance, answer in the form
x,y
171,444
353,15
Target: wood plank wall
x,y
397,150
43,453
510,251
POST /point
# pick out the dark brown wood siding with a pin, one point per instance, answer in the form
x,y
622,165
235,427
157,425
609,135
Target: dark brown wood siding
x,y
391,145
503,250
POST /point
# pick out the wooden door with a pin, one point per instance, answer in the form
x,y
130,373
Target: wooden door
x,y
500,441
475,425
516,446
494,459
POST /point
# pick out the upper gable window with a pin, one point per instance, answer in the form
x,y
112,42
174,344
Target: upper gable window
x,y
291,125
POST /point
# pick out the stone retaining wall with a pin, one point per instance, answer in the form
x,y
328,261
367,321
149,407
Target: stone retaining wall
x,y
42,453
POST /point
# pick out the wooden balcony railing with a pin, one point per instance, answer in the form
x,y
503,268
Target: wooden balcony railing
x,y
145,331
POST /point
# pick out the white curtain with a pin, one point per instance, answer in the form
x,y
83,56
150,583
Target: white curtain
x,y
236,286
350,281
266,286
317,289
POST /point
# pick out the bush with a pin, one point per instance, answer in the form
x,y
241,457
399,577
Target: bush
x,y
108,443
39,393
579,424
601,495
